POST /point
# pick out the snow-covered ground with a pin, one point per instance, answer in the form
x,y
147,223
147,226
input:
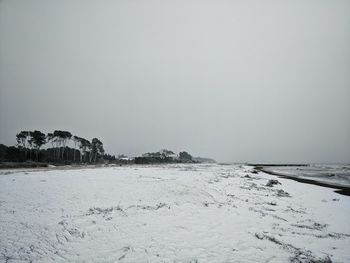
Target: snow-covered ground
x,y
174,213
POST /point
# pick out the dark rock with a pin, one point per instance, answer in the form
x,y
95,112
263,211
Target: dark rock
x,y
272,182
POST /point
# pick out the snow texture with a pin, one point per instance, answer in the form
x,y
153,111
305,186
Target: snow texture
x,y
170,213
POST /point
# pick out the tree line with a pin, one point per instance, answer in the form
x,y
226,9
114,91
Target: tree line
x,y
53,147
30,147
164,156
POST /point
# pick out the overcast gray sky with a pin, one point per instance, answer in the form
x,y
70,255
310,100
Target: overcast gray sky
x,y
258,81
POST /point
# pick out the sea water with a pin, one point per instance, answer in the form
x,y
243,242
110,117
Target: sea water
x,y
336,174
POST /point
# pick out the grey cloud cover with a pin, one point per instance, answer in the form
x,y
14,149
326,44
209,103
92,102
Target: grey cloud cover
x,y
257,81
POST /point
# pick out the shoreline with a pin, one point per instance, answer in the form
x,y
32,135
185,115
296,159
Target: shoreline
x,y
343,190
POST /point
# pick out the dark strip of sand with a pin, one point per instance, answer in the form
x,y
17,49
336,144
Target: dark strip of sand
x,y
343,190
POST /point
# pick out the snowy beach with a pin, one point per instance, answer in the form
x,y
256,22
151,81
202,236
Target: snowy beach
x,y
170,213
